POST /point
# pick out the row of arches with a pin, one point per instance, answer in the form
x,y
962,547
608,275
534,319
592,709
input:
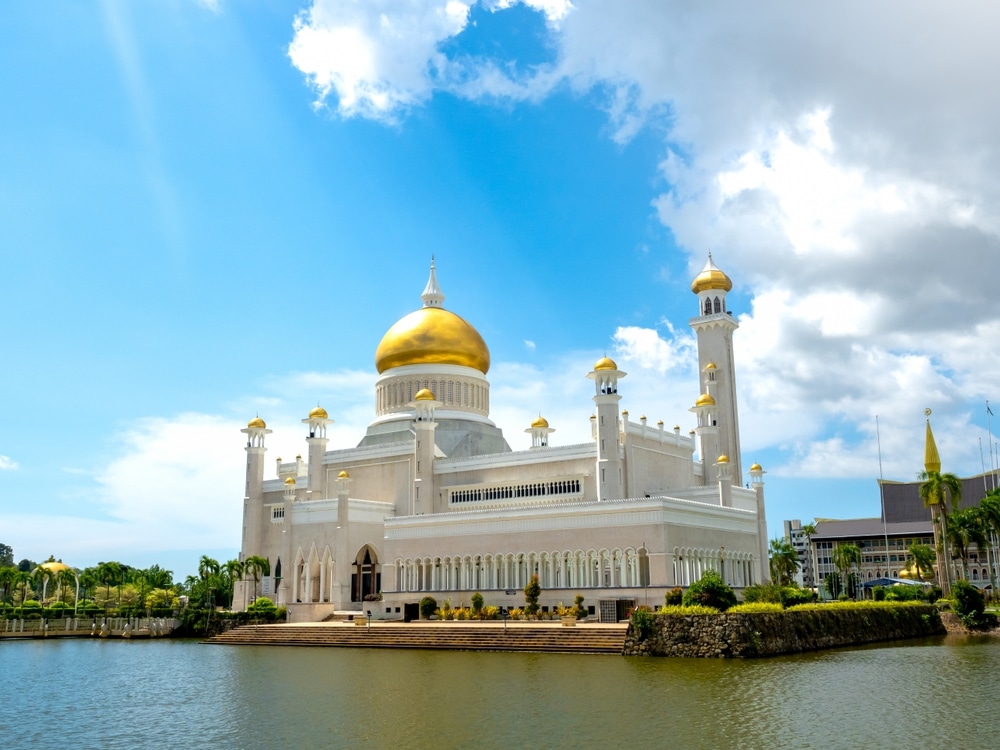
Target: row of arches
x,y
616,568
690,563
466,393
315,580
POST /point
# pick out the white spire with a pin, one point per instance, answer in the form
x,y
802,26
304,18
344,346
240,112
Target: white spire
x,y
432,296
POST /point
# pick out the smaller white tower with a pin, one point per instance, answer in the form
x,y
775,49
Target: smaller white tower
x,y
317,421
424,405
539,432
757,483
253,492
610,479
706,410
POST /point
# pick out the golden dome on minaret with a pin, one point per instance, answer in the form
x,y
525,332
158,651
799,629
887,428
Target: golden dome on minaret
x,y
540,422
605,363
432,336
424,394
711,278
318,413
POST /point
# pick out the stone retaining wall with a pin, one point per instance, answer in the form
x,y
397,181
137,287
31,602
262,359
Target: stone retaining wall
x,y
770,634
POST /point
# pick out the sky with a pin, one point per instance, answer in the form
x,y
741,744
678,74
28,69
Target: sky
x,y
212,210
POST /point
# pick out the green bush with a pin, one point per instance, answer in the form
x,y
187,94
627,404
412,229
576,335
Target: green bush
x,y
878,594
642,622
757,607
683,611
532,590
793,595
674,597
969,604
710,591
428,605
477,605
762,592
262,604
581,611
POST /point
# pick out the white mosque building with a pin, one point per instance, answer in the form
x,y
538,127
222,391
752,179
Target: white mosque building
x,y
433,500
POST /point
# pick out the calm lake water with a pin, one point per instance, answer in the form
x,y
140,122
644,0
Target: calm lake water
x,y
181,694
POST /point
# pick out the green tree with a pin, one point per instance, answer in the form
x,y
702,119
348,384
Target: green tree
x,y
108,573
7,585
966,528
232,571
41,576
256,567
710,591
6,556
846,556
208,571
939,491
532,590
923,559
989,509
784,561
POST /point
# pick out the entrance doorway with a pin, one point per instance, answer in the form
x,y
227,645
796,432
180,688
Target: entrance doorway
x,y
366,576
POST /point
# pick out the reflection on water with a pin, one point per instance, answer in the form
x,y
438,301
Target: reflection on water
x,y
181,694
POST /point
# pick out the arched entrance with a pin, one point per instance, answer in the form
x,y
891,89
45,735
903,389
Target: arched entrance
x,y
366,574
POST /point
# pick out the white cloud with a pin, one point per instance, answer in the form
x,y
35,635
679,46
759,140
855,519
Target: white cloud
x,y
8,464
529,344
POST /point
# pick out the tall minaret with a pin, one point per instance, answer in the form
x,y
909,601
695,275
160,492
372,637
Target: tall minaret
x,y
424,403
253,491
317,420
714,328
610,480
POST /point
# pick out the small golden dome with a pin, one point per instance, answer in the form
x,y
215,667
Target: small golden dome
x,y
290,480
756,467
318,413
711,366
298,456
624,412
424,394
605,363
540,422
659,422
705,399
432,336
256,424
677,426
711,278
723,459
343,475
593,416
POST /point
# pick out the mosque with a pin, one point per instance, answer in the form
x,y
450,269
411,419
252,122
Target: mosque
x,y
433,501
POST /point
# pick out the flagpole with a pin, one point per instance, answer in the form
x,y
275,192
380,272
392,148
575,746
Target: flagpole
x,y
881,497
989,432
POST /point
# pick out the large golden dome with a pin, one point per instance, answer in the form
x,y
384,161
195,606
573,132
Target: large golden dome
x,y
432,336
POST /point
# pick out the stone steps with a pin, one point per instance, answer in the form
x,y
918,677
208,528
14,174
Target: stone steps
x,y
459,637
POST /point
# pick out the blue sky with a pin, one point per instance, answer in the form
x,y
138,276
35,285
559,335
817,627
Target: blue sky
x,y
210,210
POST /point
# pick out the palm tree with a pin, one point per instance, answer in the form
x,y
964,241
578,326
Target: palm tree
x,y
108,572
41,575
7,581
784,561
256,567
844,556
923,559
939,491
989,509
22,578
233,570
965,528
208,570
64,579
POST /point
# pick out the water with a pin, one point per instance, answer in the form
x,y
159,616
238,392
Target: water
x,y
181,694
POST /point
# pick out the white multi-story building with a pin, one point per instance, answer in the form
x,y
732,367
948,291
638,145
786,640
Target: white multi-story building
x,y
433,500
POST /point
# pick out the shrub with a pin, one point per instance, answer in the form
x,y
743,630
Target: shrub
x,y
490,612
532,590
969,604
710,591
674,597
477,605
793,595
762,592
878,594
581,611
427,607
684,611
642,622
757,607
262,604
